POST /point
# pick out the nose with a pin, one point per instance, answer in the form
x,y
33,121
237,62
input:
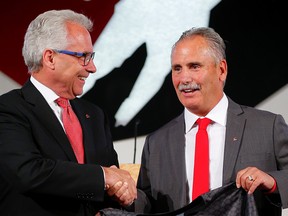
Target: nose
x,y
186,76
91,67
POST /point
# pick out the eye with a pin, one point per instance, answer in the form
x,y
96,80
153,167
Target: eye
x,y
194,66
176,68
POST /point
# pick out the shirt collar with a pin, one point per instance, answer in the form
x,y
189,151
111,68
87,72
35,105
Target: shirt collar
x,y
49,95
218,114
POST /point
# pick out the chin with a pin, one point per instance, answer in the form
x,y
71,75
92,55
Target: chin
x,y
190,105
78,92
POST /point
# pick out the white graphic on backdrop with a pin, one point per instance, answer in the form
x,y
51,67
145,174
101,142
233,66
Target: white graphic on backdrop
x,y
157,23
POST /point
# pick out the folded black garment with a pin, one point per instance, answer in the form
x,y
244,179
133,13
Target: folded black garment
x,y
224,201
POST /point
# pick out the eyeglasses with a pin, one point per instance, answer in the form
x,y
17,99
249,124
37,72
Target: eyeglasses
x,y
87,55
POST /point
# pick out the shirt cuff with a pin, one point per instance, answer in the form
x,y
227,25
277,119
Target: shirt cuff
x,y
105,185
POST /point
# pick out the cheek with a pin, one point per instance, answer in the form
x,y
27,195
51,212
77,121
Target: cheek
x,y
71,74
68,79
175,80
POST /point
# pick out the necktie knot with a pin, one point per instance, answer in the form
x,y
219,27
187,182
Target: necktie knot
x,y
62,102
203,123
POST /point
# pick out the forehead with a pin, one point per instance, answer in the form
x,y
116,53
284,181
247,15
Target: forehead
x,y
194,43
194,47
79,36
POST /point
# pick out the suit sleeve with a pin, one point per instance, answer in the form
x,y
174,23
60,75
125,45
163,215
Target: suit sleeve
x,y
142,204
28,166
281,154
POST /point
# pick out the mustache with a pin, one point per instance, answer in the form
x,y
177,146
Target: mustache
x,y
189,86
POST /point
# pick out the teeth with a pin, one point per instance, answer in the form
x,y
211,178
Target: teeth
x,y
188,90
83,78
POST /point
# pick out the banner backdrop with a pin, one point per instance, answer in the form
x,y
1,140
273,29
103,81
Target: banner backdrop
x,y
133,38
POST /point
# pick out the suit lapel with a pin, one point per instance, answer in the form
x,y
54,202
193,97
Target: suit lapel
x,y
46,116
176,160
179,149
234,130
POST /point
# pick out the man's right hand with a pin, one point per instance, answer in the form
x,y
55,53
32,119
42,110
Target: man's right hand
x,y
120,185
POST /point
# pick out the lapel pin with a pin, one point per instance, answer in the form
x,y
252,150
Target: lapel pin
x,y
87,116
235,139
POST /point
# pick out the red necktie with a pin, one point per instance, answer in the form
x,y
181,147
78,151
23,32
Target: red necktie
x,y
201,182
72,128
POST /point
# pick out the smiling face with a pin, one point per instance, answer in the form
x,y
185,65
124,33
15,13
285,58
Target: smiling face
x,y
65,74
197,78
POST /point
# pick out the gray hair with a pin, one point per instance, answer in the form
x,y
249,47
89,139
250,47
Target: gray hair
x,y
217,44
48,30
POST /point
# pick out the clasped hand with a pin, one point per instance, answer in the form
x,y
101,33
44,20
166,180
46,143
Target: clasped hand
x,y
120,185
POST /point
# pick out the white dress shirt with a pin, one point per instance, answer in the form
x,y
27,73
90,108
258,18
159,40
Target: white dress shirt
x,y
216,133
50,96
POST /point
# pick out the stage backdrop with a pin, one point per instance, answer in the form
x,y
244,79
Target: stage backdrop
x,y
132,41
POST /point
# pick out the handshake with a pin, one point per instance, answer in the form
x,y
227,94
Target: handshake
x,y
120,185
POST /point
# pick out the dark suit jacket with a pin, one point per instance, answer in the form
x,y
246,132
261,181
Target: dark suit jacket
x,y
39,174
253,138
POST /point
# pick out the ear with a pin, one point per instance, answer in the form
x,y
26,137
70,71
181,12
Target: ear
x,y
49,59
223,68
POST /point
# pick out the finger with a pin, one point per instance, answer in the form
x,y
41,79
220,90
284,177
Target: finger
x,y
121,191
115,188
132,188
248,182
126,199
124,196
240,177
254,184
250,179
258,180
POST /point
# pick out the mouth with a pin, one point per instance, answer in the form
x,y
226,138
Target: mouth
x,y
188,90
82,78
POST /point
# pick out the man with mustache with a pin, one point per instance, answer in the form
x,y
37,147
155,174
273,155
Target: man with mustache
x,y
246,146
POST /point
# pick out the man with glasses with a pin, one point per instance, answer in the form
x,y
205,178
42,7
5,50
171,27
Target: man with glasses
x,y
45,169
